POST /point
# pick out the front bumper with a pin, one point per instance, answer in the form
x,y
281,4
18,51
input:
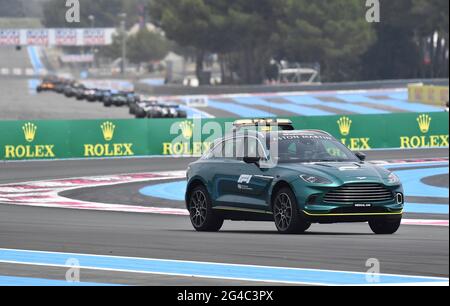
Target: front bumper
x,y
316,210
347,218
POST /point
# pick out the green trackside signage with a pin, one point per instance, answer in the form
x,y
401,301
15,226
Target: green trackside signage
x,y
22,140
365,132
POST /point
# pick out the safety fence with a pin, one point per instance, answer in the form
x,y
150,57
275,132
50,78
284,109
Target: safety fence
x,y
22,140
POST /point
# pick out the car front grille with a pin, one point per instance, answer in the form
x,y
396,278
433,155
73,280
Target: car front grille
x,y
359,193
359,210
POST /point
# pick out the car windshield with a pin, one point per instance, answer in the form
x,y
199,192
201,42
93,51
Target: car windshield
x,y
306,148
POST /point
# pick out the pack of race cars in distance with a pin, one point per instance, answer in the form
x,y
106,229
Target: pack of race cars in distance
x,y
271,172
148,107
140,106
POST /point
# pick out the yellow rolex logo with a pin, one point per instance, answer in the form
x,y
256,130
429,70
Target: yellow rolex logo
x,y
108,149
108,130
187,129
344,125
29,130
27,150
424,123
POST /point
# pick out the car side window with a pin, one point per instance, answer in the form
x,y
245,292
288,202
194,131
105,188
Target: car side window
x,y
234,148
229,149
240,148
217,151
237,148
253,148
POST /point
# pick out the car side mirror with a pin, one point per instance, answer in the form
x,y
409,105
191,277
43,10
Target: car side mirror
x,y
361,156
252,160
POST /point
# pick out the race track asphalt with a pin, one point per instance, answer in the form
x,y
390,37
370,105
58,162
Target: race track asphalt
x,y
414,250
19,102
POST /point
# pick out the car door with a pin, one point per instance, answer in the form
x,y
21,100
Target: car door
x,y
254,182
225,173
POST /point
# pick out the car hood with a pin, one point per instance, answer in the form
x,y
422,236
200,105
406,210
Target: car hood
x,y
342,172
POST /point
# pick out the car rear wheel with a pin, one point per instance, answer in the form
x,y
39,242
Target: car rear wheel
x,y
286,215
201,213
385,226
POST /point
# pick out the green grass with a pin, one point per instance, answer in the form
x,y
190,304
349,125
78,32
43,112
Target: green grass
x,y
20,23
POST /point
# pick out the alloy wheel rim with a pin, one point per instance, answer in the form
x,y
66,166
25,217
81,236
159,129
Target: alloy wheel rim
x,y
283,211
198,208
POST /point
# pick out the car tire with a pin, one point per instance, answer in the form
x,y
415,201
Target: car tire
x,y
140,113
154,114
287,217
385,226
182,114
201,214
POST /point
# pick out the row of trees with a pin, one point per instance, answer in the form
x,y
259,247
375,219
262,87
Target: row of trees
x,y
11,8
410,41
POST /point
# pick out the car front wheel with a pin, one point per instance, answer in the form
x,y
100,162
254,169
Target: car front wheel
x,y
385,226
201,213
286,214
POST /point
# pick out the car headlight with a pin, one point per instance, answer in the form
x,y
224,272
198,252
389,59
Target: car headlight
x,y
314,179
393,179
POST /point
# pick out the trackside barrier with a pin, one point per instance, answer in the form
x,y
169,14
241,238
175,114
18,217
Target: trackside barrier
x,y
23,140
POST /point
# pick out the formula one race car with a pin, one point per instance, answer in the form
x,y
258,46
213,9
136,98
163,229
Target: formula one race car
x,y
72,89
119,99
45,86
91,95
84,93
294,178
155,109
165,110
100,94
61,85
138,106
104,95
132,97
53,83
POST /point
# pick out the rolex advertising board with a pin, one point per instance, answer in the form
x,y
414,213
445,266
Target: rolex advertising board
x,y
21,140
34,140
109,138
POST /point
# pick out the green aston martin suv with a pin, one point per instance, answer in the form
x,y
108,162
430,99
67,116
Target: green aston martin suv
x,y
294,178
